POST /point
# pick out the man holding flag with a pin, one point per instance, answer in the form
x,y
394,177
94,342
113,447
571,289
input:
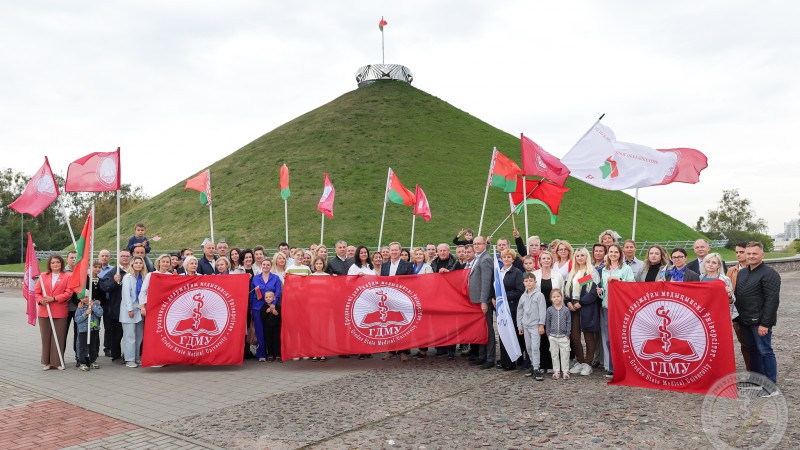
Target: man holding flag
x,y
480,291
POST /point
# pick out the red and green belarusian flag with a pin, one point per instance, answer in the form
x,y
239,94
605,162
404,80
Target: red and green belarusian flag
x,y
583,281
382,23
202,184
539,192
503,172
396,192
77,281
285,182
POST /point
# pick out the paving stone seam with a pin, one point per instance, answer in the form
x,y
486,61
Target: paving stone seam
x,y
402,413
48,396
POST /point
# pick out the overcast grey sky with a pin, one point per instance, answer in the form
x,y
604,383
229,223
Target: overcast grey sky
x,y
181,84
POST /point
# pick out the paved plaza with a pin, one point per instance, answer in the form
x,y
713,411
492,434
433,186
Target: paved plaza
x,y
348,403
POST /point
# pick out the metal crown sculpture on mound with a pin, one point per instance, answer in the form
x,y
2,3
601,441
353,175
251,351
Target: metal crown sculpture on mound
x,y
378,72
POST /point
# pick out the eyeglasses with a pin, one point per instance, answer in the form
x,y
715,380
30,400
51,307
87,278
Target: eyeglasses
x,y
678,257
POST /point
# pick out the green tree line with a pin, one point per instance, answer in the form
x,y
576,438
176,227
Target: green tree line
x,y
49,229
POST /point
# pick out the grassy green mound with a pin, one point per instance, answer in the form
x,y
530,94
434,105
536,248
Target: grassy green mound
x,y
355,138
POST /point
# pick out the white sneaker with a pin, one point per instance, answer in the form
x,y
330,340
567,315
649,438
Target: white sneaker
x,y
587,370
131,364
577,368
765,394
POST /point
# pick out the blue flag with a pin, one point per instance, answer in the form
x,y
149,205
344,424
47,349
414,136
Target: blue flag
x,y
505,324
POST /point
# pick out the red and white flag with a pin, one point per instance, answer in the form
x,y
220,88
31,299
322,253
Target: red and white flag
x,y
29,281
673,336
537,162
421,206
197,320
602,161
202,184
39,193
370,314
95,172
688,167
325,205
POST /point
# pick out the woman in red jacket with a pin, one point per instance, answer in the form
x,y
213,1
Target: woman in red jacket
x,y
56,295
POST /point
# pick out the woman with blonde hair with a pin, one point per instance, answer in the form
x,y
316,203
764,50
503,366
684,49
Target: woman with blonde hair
x,y
547,279
279,265
713,266
419,261
130,315
577,287
161,267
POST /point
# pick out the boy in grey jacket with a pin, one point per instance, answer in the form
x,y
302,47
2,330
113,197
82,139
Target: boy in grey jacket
x,y
531,315
88,316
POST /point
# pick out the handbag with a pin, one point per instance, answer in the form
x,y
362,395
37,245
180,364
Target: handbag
x,y
252,337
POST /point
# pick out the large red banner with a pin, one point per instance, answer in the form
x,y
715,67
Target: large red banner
x,y
346,315
198,320
674,336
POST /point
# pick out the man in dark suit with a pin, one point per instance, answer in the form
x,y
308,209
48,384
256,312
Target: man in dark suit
x,y
480,291
678,271
207,264
340,263
111,285
701,249
397,266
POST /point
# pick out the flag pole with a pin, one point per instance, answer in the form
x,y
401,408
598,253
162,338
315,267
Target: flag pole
x,y
514,209
383,61
52,325
118,191
413,224
322,230
525,207
69,225
511,205
91,261
486,193
286,218
385,196
22,237
635,207
210,208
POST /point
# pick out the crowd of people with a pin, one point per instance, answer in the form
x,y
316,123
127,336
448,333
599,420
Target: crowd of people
x,y
552,290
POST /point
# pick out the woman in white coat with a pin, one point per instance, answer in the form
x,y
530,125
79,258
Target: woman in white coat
x,y
129,315
547,279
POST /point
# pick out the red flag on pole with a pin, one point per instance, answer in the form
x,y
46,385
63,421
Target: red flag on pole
x,y
421,206
201,183
196,320
325,205
77,281
284,182
95,172
29,281
503,172
369,314
541,192
398,193
382,23
673,336
39,193
688,167
537,162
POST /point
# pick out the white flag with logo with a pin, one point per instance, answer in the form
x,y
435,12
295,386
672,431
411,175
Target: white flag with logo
x,y
505,324
602,161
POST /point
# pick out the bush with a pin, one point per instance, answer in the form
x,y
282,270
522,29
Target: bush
x,y
735,237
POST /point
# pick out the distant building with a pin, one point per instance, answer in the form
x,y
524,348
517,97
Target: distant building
x,y
791,230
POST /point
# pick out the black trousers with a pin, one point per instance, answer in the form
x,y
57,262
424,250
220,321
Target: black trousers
x,y
114,331
272,332
87,354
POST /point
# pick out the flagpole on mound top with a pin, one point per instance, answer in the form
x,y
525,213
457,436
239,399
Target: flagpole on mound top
x,y
635,207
